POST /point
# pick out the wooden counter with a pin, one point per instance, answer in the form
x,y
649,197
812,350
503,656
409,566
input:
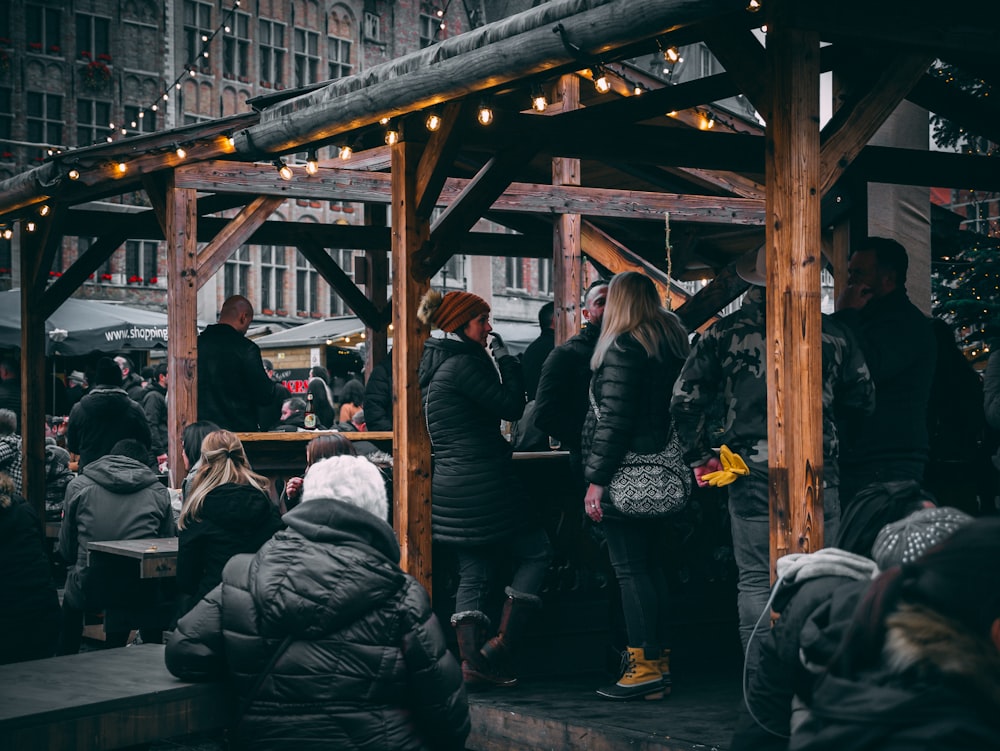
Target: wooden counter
x,y
284,454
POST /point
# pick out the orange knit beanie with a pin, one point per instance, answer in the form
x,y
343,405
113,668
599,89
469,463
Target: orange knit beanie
x,y
452,311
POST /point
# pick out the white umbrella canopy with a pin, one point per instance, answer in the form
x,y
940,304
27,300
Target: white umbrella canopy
x,y
79,327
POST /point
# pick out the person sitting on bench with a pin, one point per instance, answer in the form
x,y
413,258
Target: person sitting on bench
x,y
116,497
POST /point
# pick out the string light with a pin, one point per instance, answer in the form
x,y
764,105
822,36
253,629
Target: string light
x,y
121,167
345,153
179,151
391,136
30,226
538,100
43,210
284,171
383,121
753,6
485,113
312,163
8,233
73,174
672,55
433,121
601,82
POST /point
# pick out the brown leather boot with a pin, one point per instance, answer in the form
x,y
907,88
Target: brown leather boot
x,y
517,612
471,627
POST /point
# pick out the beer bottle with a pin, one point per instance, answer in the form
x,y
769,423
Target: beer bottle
x,y
310,418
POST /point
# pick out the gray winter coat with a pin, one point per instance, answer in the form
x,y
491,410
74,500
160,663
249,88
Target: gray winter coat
x,y
113,498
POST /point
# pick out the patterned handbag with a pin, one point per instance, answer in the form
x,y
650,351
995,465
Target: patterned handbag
x,y
651,485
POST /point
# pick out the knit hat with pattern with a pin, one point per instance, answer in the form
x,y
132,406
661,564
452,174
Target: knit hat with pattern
x,y
909,538
452,311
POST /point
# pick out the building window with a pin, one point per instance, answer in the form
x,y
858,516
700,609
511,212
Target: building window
x,y
271,43
272,279
373,27
140,261
515,274
197,24
139,119
454,270
236,273
306,286
545,276
93,37
306,57
45,118
706,61
430,25
339,57
236,48
344,259
44,27
92,118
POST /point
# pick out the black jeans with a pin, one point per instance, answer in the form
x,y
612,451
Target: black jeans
x,y
636,550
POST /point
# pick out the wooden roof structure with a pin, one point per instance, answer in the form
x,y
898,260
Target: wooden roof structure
x,y
594,175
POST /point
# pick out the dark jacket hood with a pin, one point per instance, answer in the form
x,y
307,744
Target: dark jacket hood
x,y
120,474
236,506
332,564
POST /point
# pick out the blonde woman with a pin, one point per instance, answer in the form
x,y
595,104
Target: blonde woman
x,y
227,511
637,358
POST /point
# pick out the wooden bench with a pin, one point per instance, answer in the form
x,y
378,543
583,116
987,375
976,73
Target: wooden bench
x,y
103,700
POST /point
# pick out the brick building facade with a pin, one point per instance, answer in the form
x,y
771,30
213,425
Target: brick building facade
x,y
77,73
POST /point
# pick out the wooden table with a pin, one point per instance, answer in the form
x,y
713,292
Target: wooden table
x,y
157,556
103,700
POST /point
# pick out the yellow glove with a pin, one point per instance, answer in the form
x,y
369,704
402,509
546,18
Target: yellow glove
x,y
733,467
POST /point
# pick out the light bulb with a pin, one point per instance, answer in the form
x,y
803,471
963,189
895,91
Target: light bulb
x,y
312,164
753,6
391,137
73,174
383,121
433,121
122,168
284,171
672,55
8,233
602,84
485,115
30,226
43,210
181,153
345,152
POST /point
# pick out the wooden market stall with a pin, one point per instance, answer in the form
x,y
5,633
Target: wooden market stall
x,y
601,176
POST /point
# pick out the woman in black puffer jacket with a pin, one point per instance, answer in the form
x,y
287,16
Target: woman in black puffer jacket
x,y
227,511
361,659
478,507
636,361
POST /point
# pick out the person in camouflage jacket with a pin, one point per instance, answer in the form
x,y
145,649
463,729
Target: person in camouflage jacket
x,y
728,364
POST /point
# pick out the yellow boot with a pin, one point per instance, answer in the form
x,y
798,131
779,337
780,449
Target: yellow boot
x,y
641,678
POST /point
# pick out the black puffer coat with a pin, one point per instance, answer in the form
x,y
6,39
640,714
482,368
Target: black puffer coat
x,y
366,667
29,607
234,519
378,396
633,395
476,498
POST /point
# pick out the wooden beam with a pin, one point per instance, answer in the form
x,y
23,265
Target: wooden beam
x,y
739,52
371,187
616,258
941,169
376,284
81,269
236,232
438,157
182,324
469,207
793,355
566,238
857,119
411,444
713,297
335,276
156,192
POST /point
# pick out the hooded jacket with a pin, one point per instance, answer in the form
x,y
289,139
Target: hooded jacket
x,y
936,687
234,519
365,666
476,498
561,403
102,418
113,498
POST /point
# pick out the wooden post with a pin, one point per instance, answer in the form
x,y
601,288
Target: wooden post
x,y
377,270
567,238
182,316
33,341
794,365
411,444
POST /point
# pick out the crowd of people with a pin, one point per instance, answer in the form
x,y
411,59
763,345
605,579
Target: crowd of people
x,y
889,633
